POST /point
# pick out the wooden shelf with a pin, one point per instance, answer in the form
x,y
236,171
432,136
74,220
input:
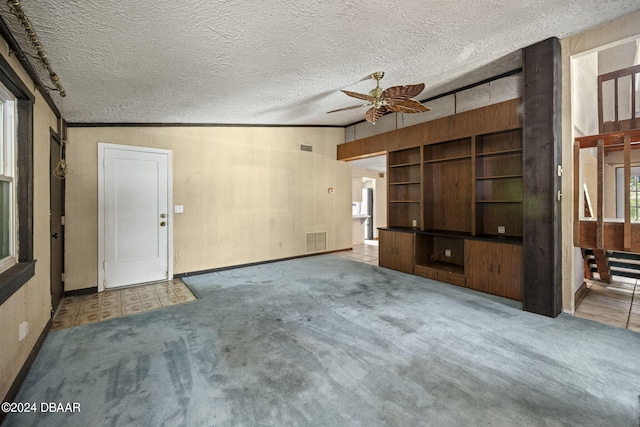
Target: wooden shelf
x,y
499,201
448,159
404,183
499,152
498,177
402,165
459,190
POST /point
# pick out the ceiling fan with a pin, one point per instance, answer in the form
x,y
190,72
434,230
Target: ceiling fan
x,y
396,98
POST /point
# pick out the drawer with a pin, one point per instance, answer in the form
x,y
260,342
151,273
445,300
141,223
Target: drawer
x,y
427,272
453,278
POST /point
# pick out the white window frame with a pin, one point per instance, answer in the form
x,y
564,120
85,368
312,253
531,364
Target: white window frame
x,y
8,116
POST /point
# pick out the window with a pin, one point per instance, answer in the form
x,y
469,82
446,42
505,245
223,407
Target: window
x,y
16,182
634,191
7,174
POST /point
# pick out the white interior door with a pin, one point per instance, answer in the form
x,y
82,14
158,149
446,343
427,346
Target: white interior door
x,y
135,215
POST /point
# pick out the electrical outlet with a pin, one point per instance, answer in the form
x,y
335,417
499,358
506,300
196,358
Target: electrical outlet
x,y
447,253
415,222
501,229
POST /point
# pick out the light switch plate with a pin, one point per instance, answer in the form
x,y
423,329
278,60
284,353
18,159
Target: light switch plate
x,y
501,229
178,209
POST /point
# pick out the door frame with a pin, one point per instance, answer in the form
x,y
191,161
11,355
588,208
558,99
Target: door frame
x,y
54,138
102,146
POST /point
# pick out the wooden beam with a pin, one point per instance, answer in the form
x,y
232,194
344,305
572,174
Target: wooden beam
x,y
627,193
600,192
542,131
600,106
603,265
611,138
586,266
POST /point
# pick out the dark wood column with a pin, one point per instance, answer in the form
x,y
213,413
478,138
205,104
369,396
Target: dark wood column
x,y
542,285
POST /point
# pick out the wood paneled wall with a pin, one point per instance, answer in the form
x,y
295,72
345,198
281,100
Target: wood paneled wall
x,y
493,118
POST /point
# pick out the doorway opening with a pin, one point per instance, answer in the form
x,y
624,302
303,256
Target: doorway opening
x,y
56,220
369,204
606,101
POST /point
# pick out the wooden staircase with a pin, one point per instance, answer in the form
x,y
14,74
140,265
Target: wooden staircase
x,y
606,264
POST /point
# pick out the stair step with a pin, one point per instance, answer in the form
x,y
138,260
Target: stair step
x,y
623,273
624,255
622,264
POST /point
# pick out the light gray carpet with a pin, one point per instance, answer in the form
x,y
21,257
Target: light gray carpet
x,y
326,341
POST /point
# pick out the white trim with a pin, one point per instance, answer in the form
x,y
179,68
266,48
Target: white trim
x,y
102,146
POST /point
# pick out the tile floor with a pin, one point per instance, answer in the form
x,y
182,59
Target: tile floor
x,y
616,304
367,253
82,309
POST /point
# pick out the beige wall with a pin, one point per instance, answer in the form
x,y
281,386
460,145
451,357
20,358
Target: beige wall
x,y
32,303
579,44
249,194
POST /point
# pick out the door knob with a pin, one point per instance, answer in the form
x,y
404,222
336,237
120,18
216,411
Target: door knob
x,y
162,224
163,215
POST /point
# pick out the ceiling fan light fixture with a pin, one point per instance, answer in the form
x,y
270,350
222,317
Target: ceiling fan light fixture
x,y
398,99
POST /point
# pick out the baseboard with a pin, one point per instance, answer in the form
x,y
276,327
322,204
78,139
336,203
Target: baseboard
x,y
22,375
580,294
251,264
78,292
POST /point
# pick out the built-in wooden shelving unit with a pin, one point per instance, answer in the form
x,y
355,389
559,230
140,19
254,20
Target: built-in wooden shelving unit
x,y
461,201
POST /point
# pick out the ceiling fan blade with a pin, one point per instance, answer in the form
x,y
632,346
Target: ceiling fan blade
x,y
396,93
347,108
360,96
408,106
374,114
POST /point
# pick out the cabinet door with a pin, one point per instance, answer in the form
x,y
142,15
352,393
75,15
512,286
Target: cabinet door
x,y
510,266
478,264
404,253
386,249
495,268
395,250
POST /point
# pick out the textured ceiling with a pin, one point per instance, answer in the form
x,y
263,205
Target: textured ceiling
x,y
279,61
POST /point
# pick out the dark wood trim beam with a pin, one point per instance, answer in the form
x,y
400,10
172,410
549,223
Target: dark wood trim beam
x,y
189,125
542,232
25,180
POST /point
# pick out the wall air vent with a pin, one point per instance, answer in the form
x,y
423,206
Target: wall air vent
x,y
316,242
308,148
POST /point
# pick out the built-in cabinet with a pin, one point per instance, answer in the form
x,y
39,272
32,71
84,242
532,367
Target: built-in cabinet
x,y
396,250
495,268
460,198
